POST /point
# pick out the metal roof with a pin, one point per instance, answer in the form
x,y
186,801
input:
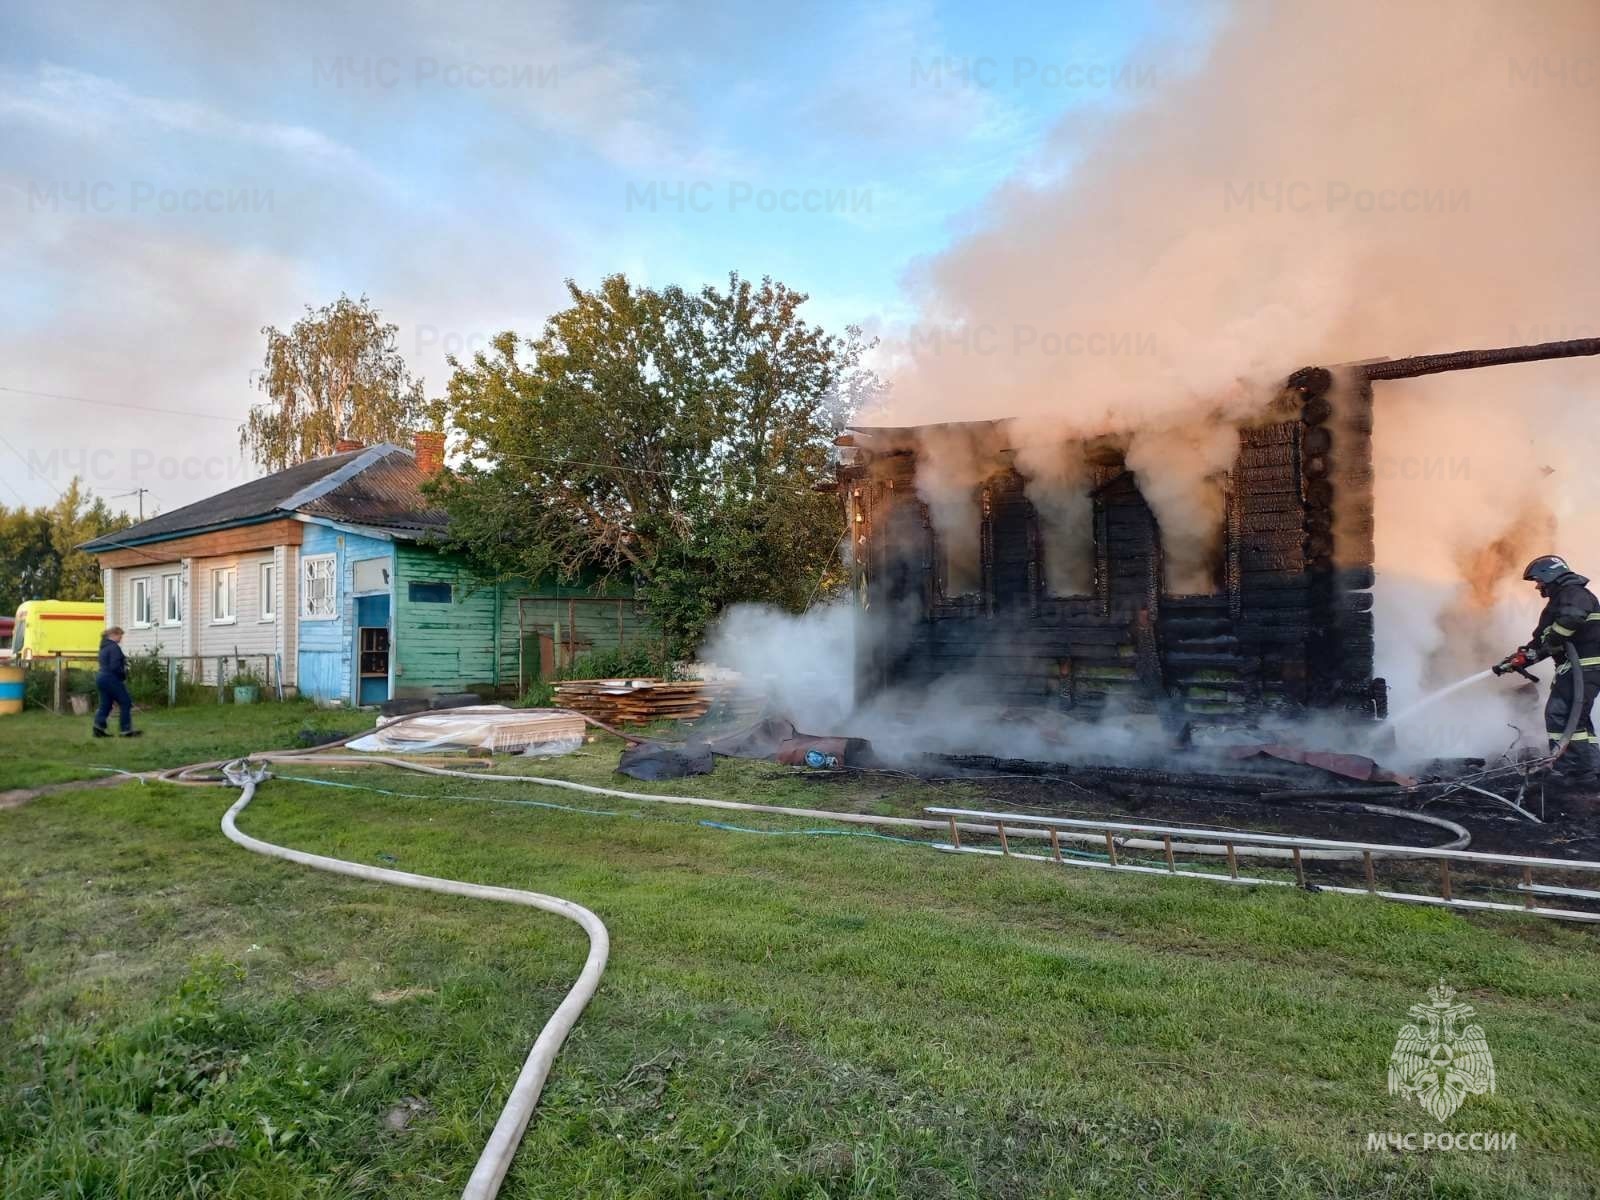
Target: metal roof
x,y
383,495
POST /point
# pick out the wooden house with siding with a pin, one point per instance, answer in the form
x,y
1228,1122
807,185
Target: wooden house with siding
x,y
332,570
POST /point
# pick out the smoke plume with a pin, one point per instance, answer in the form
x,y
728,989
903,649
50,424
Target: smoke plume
x,y
1329,183
1180,472
1057,484
954,459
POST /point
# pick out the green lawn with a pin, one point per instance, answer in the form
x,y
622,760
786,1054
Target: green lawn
x,y
39,748
784,1016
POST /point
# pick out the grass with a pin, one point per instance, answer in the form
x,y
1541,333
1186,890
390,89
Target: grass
x,y
40,748
783,1016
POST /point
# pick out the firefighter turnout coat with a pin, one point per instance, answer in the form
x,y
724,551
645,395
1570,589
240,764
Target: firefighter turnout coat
x,y
1571,614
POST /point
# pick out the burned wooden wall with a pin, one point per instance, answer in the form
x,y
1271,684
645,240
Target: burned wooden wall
x,y
1288,627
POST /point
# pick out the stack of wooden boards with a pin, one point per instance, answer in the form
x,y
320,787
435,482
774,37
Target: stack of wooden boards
x,y
640,701
490,727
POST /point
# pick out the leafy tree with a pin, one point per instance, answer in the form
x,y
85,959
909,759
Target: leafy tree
x,y
29,566
39,558
74,519
677,436
337,373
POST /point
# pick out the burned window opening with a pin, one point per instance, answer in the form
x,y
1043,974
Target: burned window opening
x,y
1010,548
958,560
1127,547
907,555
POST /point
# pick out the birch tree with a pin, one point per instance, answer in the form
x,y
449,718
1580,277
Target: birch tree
x,y
336,373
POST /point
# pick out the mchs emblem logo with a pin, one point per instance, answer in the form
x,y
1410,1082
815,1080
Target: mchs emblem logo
x,y
1441,1060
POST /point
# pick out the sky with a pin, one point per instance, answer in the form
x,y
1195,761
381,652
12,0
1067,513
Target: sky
x,y
174,177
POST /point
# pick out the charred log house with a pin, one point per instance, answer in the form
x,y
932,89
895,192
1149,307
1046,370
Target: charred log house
x,y
1279,621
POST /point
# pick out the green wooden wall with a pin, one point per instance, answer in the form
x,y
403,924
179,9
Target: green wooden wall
x,y
596,619
489,630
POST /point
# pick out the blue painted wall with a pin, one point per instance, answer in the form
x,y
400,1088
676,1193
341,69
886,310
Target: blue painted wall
x,y
327,648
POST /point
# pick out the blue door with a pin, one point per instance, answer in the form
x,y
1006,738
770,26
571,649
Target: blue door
x,y
372,649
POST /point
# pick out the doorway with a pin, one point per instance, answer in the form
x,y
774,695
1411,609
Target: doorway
x,y
372,649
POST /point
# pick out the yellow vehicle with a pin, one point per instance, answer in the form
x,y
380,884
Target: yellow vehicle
x,y
49,627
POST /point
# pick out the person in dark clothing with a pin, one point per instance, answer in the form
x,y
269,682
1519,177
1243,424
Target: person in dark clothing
x,y
1571,617
112,682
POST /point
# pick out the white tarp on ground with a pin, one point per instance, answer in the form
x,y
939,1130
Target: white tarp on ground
x,y
491,727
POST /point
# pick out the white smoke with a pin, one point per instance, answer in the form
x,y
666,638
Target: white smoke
x,y
1058,482
1333,183
1180,472
803,665
952,460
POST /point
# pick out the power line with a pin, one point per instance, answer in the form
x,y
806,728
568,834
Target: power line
x,y
177,412
10,487
812,599
171,412
785,486
578,462
140,492
60,495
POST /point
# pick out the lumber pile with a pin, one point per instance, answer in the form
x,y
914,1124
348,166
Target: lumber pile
x,y
639,701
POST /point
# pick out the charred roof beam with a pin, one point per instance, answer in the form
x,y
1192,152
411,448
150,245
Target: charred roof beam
x,y
1466,360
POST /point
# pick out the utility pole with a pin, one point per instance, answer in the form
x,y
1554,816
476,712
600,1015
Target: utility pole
x,y
139,492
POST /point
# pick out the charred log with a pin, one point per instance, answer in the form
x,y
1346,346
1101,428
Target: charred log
x,y
1467,360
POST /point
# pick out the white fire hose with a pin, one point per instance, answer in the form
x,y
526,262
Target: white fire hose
x,y
1460,838
508,1130
495,1160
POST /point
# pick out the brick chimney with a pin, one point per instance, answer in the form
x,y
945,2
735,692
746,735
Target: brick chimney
x,y
428,449
348,444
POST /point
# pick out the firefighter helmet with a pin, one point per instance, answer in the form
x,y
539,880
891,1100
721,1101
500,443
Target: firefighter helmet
x,y
1546,569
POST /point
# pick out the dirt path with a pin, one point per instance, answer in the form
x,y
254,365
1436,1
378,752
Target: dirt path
x,y
17,797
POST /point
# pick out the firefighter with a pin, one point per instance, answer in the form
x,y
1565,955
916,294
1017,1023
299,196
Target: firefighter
x,y
1571,617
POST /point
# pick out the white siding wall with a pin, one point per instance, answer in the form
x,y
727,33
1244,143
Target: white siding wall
x,y
288,559
119,608
248,634
189,612
196,634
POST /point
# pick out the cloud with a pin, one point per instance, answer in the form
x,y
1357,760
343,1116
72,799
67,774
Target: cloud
x,y
94,107
888,86
152,319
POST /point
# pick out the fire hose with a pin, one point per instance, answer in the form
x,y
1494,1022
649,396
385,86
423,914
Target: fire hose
x,y
1519,662
495,1159
1575,709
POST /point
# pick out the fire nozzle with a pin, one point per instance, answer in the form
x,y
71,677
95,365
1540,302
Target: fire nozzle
x,y
1517,662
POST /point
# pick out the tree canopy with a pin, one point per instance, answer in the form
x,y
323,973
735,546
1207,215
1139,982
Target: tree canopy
x,y
337,373
677,436
39,559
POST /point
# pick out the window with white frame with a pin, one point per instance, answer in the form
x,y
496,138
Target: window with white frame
x,y
224,595
143,608
172,599
268,600
319,591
